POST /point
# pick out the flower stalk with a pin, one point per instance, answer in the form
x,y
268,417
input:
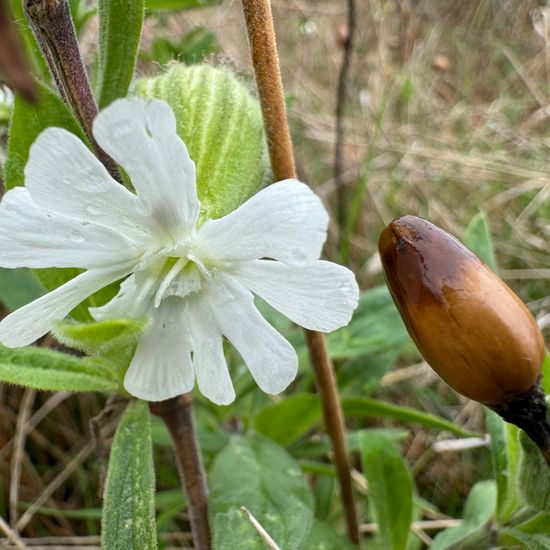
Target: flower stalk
x,y
265,59
53,27
177,414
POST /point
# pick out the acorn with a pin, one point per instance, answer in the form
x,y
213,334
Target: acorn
x,y
469,326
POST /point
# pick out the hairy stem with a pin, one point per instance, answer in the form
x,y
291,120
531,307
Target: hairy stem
x,y
261,35
53,27
177,414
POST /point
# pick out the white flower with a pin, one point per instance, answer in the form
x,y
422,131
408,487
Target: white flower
x,y
194,280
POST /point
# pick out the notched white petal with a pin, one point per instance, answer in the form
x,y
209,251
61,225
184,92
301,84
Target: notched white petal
x,y
27,324
208,358
33,237
285,221
319,296
271,360
140,134
64,176
161,367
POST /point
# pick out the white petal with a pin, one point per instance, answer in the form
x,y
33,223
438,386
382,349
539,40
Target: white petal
x,y
32,237
141,135
131,302
208,358
271,359
286,221
161,367
27,324
319,296
63,176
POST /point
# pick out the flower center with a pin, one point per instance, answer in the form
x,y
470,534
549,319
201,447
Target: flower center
x,y
172,271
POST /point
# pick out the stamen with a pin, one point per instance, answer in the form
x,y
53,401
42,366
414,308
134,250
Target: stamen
x,y
170,276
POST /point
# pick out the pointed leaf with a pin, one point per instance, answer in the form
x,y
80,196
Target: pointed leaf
x,y
390,488
534,478
366,407
478,239
45,369
120,25
129,500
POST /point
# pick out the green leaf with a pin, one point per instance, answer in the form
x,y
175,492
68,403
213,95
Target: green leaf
x,y
28,121
534,477
478,239
376,336
372,408
129,500
529,542
478,510
120,23
390,488
545,369
538,523
179,4
254,472
505,454
18,287
323,537
45,369
290,419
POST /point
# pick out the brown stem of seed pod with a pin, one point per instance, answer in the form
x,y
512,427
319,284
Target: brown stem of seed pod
x,y
53,27
263,48
528,411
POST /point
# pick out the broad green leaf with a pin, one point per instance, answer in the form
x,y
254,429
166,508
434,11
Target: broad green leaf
x,y
18,287
534,478
179,4
120,25
479,508
290,419
505,454
478,239
323,537
28,121
129,500
390,488
45,369
372,408
254,472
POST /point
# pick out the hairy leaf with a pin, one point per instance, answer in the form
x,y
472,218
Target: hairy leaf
x,y
129,499
45,369
120,23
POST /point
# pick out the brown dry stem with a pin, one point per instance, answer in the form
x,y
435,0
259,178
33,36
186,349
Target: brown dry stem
x,y
263,47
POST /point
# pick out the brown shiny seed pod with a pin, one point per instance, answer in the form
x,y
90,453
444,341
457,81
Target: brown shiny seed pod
x,y
468,325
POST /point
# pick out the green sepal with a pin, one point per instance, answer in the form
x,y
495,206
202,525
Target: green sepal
x,y
113,341
221,124
44,369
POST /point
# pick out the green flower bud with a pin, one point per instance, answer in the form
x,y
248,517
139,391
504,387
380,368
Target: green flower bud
x,y
221,124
